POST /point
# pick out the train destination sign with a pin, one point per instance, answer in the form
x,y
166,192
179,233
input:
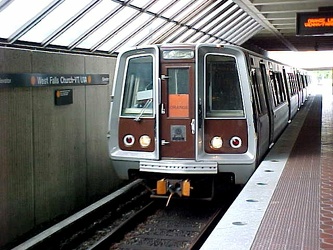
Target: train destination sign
x,y
314,23
39,80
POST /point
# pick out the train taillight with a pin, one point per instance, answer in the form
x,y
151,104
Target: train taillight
x,y
236,142
129,140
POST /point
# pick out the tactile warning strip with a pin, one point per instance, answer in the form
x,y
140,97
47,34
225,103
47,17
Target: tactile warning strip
x,y
326,195
292,217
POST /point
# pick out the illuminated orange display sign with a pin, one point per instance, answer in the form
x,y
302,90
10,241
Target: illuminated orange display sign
x,y
314,23
319,22
179,105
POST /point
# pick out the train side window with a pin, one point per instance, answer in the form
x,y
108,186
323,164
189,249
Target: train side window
x,y
277,86
274,87
293,83
255,93
223,93
297,82
281,86
138,89
301,78
305,84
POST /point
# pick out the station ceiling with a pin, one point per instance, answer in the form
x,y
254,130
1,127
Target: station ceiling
x,y
279,18
107,26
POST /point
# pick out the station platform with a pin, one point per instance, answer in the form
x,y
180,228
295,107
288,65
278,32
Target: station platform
x,y
288,202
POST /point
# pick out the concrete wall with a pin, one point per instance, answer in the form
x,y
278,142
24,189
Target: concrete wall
x,y
53,159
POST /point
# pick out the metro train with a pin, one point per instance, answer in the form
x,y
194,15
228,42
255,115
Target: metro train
x,y
186,117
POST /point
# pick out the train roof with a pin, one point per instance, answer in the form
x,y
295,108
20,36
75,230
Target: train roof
x,y
213,45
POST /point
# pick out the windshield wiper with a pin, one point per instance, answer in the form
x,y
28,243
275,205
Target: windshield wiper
x,y
138,118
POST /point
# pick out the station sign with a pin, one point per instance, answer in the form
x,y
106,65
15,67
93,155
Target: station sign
x,y
314,23
63,97
40,80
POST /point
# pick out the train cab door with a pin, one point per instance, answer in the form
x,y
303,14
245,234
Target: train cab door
x,y
177,120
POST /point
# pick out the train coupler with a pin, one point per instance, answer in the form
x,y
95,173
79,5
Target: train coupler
x,y
171,187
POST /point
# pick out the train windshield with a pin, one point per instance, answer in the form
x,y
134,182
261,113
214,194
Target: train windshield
x,y
138,90
223,94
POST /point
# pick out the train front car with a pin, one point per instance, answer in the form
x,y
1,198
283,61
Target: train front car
x,y
181,118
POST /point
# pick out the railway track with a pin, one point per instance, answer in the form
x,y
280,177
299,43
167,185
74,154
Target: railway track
x,y
185,224
182,226
110,235
92,221
133,221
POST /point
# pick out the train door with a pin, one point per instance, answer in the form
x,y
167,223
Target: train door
x,y
288,92
268,101
177,121
260,113
299,90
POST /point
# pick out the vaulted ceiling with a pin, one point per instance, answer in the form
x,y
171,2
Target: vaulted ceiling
x,y
107,26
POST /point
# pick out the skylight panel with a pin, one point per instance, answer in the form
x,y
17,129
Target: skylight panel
x,y
217,22
196,37
142,3
204,24
202,39
87,21
54,20
127,32
176,33
158,6
213,40
109,25
180,4
245,31
116,22
161,30
18,13
148,33
187,33
209,16
254,29
203,13
237,27
226,22
231,25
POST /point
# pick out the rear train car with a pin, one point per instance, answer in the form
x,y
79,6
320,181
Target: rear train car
x,y
185,117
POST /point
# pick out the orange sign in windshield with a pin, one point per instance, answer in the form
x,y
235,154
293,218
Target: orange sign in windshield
x,y
179,105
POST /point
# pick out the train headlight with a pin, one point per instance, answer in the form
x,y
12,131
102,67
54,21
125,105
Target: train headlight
x,y
128,140
235,142
144,141
216,142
